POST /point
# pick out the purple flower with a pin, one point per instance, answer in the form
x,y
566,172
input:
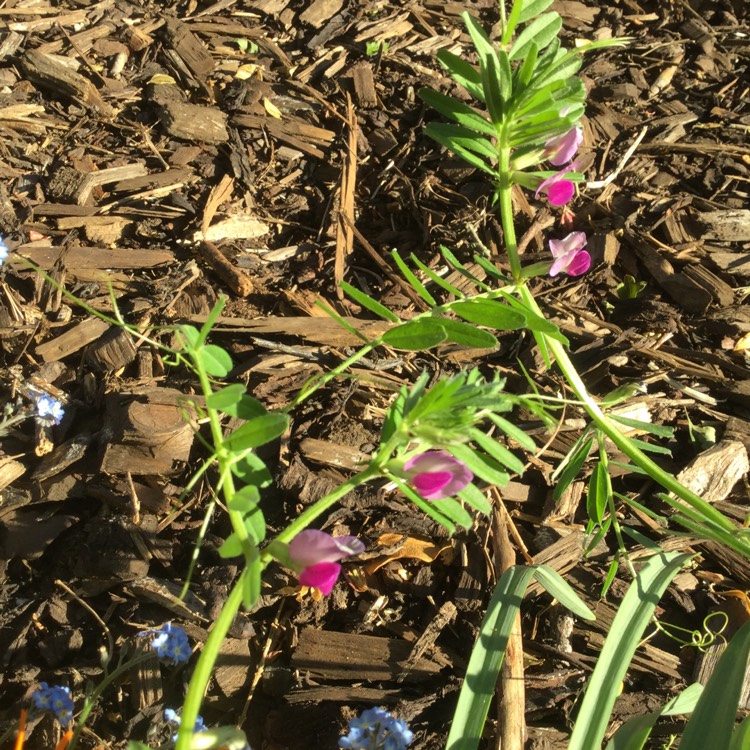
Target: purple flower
x,y
569,255
376,729
557,189
170,643
56,699
561,149
3,252
49,409
315,555
437,474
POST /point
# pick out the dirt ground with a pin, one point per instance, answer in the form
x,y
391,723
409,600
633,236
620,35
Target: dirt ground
x,y
267,149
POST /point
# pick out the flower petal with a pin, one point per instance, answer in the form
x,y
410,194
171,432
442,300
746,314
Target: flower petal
x,y
564,147
430,484
313,546
560,192
322,576
580,264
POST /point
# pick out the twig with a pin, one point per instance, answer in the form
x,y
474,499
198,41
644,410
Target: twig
x,y
597,184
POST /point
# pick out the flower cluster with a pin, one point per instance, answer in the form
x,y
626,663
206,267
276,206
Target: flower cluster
x,y
56,699
170,643
376,729
437,474
173,717
49,409
315,555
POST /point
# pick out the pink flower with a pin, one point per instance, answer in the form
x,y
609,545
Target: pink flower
x,y
562,148
569,255
315,555
557,189
437,474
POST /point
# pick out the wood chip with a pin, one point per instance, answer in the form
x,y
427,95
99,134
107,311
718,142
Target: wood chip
x,y
366,658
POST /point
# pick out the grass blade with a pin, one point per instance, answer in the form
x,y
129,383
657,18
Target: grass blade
x,y
624,636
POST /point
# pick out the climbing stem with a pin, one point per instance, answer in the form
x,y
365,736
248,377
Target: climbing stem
x,y
601,420
209,654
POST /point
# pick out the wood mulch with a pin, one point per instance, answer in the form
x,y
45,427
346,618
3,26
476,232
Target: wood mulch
x,y
159,154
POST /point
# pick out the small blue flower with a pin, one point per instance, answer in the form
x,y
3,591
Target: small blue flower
x,y
170,643
49,408
3,252
173,717
56,699
376,729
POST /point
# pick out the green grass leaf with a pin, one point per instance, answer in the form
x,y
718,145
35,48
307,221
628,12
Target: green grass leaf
x,y
561,590
625,633
486,659
712,722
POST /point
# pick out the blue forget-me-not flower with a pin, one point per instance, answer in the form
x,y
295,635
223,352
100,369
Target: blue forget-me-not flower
x,y
170,643
173,717
54,698
49,409
376,729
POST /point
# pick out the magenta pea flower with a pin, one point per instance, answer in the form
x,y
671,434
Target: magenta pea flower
x,y
315,555
437,474
557,189
569,255
560,149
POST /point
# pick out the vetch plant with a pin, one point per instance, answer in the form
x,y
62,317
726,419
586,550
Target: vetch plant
x,y
441,442
529,104
560,149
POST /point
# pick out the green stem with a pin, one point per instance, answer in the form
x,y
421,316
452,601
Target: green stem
x,y
321,506
506,210
315,383
207,659
205,665
223,459
92,699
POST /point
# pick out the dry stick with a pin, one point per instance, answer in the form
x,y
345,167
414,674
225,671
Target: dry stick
x,y
240,283
345,219
271,638
512,696
625,159
92,612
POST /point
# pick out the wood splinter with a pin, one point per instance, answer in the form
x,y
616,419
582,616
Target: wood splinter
x,y
238,281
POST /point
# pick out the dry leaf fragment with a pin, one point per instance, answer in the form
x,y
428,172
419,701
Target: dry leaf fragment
x,y
271,108
412,548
